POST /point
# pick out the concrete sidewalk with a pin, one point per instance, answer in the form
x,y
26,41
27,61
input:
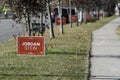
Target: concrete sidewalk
x,y
105,60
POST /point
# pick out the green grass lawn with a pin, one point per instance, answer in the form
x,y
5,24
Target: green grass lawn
x,y
67,56
118,31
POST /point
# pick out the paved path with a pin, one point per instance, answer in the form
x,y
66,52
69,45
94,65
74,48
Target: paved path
x,y
105,60
7,31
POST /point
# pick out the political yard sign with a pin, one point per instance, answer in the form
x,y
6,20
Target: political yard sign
x,y
31,45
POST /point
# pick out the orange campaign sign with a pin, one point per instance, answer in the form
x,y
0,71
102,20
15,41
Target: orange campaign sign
x,y
31,45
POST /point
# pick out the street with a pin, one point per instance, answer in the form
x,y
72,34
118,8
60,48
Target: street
x,y
7,30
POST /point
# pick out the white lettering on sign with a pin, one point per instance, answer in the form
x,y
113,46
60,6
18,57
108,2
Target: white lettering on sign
x,y
31,44
30,48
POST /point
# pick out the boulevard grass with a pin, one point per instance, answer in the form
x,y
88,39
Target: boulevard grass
x,y
118,31
67,56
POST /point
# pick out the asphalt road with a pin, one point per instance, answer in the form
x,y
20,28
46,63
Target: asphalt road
x,y
7,31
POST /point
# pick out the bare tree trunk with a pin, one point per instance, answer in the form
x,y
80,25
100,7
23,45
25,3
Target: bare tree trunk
x,y
50,21
103,11
77,18
98,13
60,15
41,18
82,15
29,26
70,16
84,12
41,23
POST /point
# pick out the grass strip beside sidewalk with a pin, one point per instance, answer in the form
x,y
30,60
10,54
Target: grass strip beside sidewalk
x,y
66,56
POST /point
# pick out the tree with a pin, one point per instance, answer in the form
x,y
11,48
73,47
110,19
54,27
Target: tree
x,y
50,21
26,8
60,15
79,7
